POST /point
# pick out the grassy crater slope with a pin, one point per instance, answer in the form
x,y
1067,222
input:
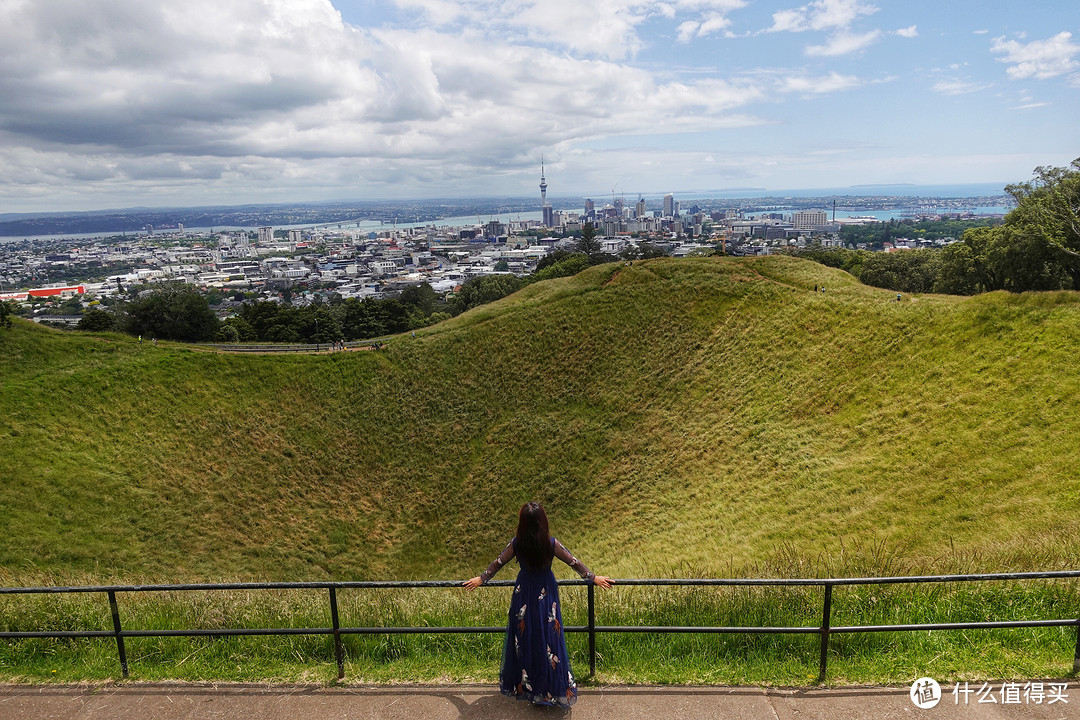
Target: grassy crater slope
x,y
676,417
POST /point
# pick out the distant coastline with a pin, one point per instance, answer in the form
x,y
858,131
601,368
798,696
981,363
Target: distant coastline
x,y
884,201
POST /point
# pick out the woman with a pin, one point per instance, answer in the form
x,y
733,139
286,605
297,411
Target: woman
x,y
535,665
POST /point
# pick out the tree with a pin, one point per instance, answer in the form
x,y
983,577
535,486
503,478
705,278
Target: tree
x,y
228,334
5,314
1049,207
422,297
588,244
236,329
570,264
361,319
484,289
94,320
174,311
551,258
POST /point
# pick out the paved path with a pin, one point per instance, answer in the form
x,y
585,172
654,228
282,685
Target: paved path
x,y
151,701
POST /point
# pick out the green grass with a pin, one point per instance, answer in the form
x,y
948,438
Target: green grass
x,y
621,658
698,417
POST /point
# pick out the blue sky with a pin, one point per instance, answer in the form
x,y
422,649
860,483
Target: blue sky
x,y
141,102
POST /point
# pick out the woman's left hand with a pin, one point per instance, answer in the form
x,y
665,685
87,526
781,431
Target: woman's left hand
x,y
602,581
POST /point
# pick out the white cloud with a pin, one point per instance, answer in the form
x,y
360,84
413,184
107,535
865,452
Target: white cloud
x,y
833,16
908,32
603,28
843,43
1030,106
821,15
691,29
955,86
1041,59
833,82
283,93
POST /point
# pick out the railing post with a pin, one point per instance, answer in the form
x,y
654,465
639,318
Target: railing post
x,y
1076,655
826,614
592,629
339,653
117,632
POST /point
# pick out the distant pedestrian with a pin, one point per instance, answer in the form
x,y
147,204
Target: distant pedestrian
x,y
897,297
815,288
140,339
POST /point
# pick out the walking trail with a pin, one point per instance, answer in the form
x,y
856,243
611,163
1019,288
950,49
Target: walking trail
x,y
151,701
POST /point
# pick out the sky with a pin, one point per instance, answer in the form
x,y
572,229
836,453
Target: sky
x,y
121,103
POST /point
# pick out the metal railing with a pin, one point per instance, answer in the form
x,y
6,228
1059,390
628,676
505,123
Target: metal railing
x,y
824,630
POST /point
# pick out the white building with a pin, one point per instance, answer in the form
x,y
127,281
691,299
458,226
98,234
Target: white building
x,y
809,219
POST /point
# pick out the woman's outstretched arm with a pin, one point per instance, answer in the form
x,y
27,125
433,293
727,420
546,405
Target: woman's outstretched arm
x,y
577,566
504,557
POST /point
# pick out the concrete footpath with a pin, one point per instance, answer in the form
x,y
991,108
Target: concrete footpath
x,y
151,701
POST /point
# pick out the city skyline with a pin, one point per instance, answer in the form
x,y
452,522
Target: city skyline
x,y
261,101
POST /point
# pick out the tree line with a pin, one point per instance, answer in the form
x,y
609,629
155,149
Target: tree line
x,y
1037,247
876,235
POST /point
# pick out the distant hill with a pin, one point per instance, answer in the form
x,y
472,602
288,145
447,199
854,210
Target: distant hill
x,y
697,416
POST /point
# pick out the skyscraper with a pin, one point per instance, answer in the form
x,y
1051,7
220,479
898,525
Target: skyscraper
x,y
669,205
545,209
639,209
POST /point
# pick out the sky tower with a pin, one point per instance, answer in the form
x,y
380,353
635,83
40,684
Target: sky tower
x,y
546,210
543,184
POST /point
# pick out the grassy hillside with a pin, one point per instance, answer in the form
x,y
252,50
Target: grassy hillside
x,y
677,417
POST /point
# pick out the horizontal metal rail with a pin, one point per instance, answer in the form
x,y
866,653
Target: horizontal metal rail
x,y
824,630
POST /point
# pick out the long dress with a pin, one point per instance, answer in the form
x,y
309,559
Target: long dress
x,y
535,665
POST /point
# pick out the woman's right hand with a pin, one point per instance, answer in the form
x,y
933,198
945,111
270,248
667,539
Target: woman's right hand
x,y
473,583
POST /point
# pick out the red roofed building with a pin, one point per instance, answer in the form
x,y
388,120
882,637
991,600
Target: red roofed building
x,y
57,291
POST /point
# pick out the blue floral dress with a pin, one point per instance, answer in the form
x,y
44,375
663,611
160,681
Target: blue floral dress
x,y
535,666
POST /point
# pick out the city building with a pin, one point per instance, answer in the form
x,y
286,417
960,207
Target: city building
x,y
809,219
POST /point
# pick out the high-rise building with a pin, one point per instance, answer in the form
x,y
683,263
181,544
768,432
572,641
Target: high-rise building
x,y
809,219
639,209
546,210
590,209
669,205
266,235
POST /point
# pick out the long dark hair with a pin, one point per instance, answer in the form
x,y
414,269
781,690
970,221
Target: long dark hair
x,y
533,539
